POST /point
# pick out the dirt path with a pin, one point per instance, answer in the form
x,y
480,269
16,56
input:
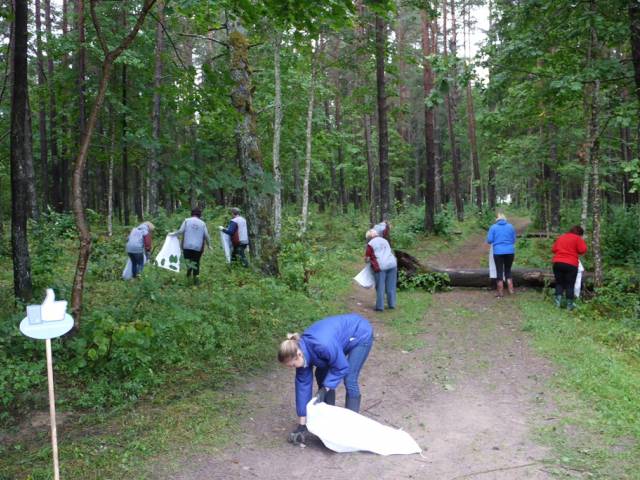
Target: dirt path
x,y
468,394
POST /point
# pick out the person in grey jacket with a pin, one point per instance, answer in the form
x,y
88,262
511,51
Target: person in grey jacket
x,y
385,268
237,230
194,236
139,246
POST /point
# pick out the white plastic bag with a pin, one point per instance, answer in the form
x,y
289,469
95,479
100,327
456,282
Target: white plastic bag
x,y
493,272
342,430
365,278
225,240
127,273
169,256
578,284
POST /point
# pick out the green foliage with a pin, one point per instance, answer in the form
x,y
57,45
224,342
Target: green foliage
x,y
444,221
620,236
430,282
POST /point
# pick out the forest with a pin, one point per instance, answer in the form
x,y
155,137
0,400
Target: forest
x,y
317,119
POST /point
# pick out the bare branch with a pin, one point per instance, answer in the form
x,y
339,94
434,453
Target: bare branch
x,y
173,45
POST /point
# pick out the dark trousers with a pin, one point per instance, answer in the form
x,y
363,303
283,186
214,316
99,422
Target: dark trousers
x,y
565,275
137,263
503,265
192,258
238,251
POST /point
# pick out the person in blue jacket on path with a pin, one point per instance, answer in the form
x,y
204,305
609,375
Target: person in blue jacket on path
x,y
502,236
337,346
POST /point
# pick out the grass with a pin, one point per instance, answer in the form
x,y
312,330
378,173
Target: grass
x,y
597,394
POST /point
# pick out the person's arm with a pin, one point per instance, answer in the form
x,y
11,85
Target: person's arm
x,y
147,242
180,231
371,255
338,365
304,391
582,246
231,228
207,239
490,236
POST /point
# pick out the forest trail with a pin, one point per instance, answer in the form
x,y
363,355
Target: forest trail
x,y
467,387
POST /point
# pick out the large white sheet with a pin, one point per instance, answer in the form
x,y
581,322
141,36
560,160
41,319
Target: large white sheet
x,y
169,256
366,278
225,240
342,430
493,273
578,284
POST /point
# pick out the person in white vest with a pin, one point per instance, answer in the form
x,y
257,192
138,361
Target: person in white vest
x,y
385,268
237,230
139,246
194,236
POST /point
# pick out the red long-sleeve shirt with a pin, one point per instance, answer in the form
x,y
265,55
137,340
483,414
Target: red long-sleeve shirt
x,y
567,248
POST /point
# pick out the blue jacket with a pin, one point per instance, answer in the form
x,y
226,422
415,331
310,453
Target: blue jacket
x,y
326,344
502,236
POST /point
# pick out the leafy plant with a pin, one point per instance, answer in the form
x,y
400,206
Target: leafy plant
x,y
430,282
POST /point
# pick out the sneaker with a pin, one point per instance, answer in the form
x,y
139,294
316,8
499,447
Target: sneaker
x,y
558,301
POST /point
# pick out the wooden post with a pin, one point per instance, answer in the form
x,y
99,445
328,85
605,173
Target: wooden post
x,y
52,412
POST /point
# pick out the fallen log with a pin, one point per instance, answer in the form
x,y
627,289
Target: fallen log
x,y
478,277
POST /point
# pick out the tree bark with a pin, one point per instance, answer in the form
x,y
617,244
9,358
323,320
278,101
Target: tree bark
x,y
371,170
451,101
307,164
53,196
634,27
42,111
479,277
430,170
84,251
125,149
18,152
156,114
277,126
259,203
471,123
554,180
383,135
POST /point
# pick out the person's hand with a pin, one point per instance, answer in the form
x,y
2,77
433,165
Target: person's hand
x,y
220,227
322,392
299,435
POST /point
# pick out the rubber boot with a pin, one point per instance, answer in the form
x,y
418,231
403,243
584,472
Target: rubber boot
x,y
330,397
352,403
570,305
510,286
500,289
558,301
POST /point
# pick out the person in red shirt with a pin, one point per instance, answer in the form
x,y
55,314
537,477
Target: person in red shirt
x,y
566,252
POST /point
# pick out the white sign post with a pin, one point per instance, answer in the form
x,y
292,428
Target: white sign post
x,y
44,322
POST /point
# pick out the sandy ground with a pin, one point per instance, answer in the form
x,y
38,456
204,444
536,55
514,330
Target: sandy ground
x,y
469,394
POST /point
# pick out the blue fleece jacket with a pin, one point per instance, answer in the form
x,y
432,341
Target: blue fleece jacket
x,y
502,236
326,344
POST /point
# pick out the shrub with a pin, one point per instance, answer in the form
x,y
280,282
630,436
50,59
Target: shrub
x,y
431,282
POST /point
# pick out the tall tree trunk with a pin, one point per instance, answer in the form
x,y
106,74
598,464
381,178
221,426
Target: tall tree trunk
x,y
554,180
430,178
595,185
65,122
84,252
53,196
42,110
22,287
112,154
383,135
634,27
125,149
155,115
277,125
309,138
371,170
259,203
81,80
403,87
451,102
471,123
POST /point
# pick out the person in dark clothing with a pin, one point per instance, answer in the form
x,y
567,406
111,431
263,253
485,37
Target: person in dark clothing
x,y
566,252
337,347
239,233
502,237
194,237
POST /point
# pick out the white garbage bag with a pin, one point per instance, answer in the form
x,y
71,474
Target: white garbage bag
x,y
225,240
127,273
366,278
493,272
169,256
578,284
343,430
